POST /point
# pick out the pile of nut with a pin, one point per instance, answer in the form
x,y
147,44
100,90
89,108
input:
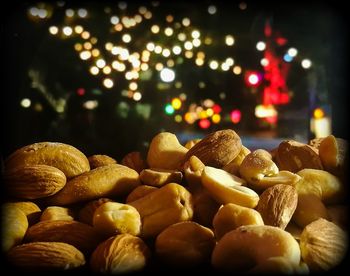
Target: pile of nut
x,y
211,202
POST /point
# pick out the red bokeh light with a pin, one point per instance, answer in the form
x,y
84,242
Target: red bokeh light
x,y
235,116
204,123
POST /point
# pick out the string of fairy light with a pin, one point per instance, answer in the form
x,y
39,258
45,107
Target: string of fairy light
x,y
168,45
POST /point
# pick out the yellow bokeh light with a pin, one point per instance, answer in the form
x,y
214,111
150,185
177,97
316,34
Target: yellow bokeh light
x,y
100,63
78,29
216,118
169,18
166,52
142,9
87,45
196,42
148,15
230,61
318,113
133,86
199,61
53,30
93,40
150,46
229,40
188,45
67,31
208,41
109,46
203,114
118,27
137,96
78,46
177,50
201,55
155,29
178,118
94,70
170,63
138,18
84,55
107,70
144,66
188,54
159,66
181,36
237,70
108,83
213,65
168,31
189,118
209,112
124,54
158,49
95,52
176,103
126,38
85,35
186,22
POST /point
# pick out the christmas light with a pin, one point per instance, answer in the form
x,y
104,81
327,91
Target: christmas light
x,y
176,103
204,123
108,83
26,102
167,75
292,52
306,63
53,30
318,113
169,110
235,116
261,46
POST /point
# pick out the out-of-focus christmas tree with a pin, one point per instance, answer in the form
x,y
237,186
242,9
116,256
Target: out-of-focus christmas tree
x,y
143,67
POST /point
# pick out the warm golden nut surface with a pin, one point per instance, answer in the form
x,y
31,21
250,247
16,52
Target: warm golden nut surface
x,y
99,160
82,236
324,185
165,152
57,213
108,181
139,192
185,244
67,158
332,152
323,245
309,208
113,218
246,247
29,208
228,188
135,161
294,156
86,213
193,169
45,256
159,177
277,205
217,149
170,204
120,254
189,144
14,226
231,216
34,181
256,165
234,165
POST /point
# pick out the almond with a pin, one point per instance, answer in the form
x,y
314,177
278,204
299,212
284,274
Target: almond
x,y
39,256
99,160
135,161
217,149
294,156
36,181
323,245
82,236
277,205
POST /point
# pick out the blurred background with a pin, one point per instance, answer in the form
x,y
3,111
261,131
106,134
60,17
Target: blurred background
x,y
106,77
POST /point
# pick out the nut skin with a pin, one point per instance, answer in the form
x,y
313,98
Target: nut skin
x,y
45,256
139,192
120,254
277,205
64,157
294,156
86,213
135,161
29,208
185,244
15,225
82,236
217,149
323,245
106,181
35,181
159,177
57,213
99,160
